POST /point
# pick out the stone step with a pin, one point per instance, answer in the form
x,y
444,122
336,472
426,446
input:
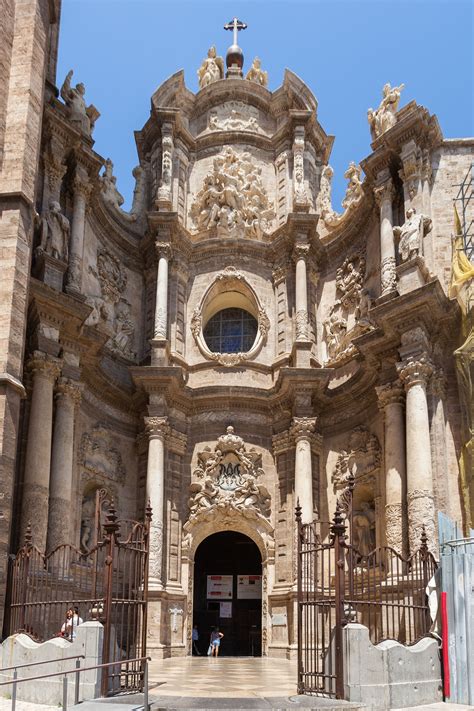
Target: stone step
x,y
177,703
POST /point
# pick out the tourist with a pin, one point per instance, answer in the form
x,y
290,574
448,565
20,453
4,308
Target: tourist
x,y
216,636
195,641
73,620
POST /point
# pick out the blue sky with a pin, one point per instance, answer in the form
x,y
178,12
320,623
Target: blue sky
x,y
345,50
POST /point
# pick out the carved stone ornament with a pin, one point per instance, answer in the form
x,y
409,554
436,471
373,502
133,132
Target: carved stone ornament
x,y
227,479
421,514
98,455
389,275
362,459
382,119
110,193
349,315
234,116
233,198
301,200
415,370
230,279
352,198
410,234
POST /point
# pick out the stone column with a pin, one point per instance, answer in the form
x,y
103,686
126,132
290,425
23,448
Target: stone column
x,y
302,430
157,429
415,372
384,194
68,396
161,306
301,288
45,370
391,401
82,190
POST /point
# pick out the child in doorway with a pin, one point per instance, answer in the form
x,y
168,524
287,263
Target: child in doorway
x,y
216,636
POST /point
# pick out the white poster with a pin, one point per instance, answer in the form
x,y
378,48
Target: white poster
x,y
249,587
219,587
225,610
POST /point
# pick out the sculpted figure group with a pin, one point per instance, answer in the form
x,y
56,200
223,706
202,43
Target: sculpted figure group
x,y
233,196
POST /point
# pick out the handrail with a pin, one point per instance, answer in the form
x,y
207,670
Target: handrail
x,y
74,671
47,661
77,671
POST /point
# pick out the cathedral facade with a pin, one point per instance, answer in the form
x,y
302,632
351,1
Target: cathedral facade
x,y
231,345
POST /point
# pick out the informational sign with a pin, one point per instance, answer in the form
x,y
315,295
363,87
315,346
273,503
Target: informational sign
x,y
225,610
219,587
249,587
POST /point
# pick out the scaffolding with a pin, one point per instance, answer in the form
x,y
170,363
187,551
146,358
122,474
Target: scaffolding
x,y
464,202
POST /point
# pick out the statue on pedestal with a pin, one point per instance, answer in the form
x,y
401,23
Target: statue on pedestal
x,y
73,97
385,117
411,233
54,232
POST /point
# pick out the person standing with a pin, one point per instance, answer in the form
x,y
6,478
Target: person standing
x,y
195,641
216,636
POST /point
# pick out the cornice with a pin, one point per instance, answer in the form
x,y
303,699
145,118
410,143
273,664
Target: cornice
x,y
113,234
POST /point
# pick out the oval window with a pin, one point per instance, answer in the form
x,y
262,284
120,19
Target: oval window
x,y
231,331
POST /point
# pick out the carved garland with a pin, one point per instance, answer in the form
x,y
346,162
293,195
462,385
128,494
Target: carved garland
x,y
230,279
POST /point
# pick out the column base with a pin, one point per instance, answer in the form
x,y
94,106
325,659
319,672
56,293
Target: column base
x,y
412,274
160,351
50,270
301,354
166,636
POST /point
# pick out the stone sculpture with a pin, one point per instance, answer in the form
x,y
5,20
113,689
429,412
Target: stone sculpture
x,y
108,183
383,118
350,279
73,97
324,202
411,233
363,534
335,328
362,458
354,191
227,481
256,73
98,455
54,232
211,70
235,122
233,197
122,342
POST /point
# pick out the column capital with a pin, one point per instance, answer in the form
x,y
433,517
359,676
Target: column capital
x,y
163,249
390,394
157,427
46,366
301,251
415,370
55,171
81,182
303,428
69,389
278,274
384,191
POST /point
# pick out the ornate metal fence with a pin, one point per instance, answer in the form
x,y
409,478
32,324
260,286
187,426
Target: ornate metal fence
x,y
336,585
108,583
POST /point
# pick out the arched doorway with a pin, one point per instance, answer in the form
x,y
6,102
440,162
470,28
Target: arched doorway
x,y
227,593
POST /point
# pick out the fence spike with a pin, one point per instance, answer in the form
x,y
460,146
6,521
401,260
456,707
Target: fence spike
x,y
338,526
28,536
298,511
423,540
111,525
148,511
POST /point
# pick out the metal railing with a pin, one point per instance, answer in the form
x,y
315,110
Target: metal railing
x,y
14,681
337,584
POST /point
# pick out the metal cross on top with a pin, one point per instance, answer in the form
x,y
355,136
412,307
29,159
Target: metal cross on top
x,y
235,25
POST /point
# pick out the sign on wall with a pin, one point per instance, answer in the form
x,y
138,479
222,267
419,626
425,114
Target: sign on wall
x,y
225,610
249,587
219,587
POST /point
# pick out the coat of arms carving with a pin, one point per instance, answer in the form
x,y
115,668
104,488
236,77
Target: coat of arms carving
x,y
226,479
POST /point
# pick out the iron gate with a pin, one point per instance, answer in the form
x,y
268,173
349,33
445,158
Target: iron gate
x,y
337,584
108,583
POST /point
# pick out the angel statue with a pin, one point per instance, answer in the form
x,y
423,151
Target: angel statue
x,y
78,111
256,73
385,117
211,69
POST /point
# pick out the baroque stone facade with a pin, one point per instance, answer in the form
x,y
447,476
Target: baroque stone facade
x,y
232,344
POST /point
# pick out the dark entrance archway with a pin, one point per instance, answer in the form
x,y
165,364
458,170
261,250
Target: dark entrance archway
x,y
227,593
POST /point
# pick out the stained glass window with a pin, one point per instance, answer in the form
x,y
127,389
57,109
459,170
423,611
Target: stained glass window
x,y
231,331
